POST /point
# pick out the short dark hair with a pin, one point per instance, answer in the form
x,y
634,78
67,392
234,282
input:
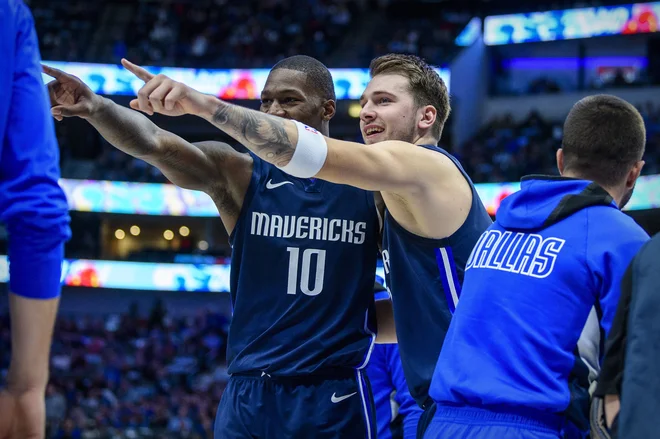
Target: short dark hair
x,y
318,75
426,86
604,136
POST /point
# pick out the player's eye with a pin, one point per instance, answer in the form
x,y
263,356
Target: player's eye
x,y
266,101
289,100
384,100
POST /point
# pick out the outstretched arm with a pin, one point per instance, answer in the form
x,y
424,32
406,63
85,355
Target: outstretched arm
x,y
191,166
391,166
275,139
197,166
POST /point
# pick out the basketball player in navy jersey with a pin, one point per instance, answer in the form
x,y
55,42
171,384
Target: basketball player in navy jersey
x,y
433,218
301,333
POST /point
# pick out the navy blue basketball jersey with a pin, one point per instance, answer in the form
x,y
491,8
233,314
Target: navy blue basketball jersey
x,y
424,277
302,276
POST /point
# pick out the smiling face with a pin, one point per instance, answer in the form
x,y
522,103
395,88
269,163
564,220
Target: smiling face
x,y
288,94
388,111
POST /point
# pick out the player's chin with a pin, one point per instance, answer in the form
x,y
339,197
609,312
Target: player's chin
x,y
373,138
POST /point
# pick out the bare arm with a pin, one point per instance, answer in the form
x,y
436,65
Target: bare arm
x,y
202,166
385,318
32,323
213,167
274,139
424,191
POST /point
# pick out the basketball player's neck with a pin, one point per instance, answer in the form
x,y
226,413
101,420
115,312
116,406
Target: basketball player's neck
x,y
427,139
617,193
324,128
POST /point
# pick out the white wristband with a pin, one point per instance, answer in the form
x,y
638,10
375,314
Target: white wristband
x,y
309,155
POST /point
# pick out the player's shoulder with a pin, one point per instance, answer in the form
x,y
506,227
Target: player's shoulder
x,y
603,220
612,232
650,249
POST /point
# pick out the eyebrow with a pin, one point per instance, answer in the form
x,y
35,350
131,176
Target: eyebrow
x,y
282,91
376,93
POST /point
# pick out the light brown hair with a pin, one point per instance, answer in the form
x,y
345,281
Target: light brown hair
x,y
425,84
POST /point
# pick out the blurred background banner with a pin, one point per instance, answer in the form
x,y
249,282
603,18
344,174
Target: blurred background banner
x,y
228,84
170,200
204,278
569,24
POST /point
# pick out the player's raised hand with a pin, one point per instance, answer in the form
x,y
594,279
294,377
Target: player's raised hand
x,y
161,94
69,96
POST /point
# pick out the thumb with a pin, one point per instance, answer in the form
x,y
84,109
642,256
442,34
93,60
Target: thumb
x,y
135,105
80,109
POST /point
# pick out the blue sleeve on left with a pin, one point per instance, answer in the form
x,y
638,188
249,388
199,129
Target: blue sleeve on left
x,y
32,204
407,405
609,256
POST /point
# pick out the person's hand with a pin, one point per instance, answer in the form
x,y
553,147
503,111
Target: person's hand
x,y
22,414
69,96
163,95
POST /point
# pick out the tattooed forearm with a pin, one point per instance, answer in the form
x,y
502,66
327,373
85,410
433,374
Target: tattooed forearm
x,y
263,134
125,129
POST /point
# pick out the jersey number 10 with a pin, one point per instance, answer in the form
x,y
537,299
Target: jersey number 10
x,y
305,278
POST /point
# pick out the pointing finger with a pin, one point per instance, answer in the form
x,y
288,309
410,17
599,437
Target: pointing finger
x,y
136,70
52,71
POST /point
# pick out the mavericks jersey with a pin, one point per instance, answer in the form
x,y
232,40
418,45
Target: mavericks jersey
x,y
424,277
302,276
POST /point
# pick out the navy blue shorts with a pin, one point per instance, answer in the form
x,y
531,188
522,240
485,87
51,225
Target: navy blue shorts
x,y
266,407
476,423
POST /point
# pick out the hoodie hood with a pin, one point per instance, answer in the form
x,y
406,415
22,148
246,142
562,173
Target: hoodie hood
x,y
545,200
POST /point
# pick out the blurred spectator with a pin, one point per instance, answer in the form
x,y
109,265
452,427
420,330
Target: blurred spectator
x,y
155,377
505,150
216,33
64,26
426,30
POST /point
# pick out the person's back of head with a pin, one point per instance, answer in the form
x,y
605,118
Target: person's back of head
x,y
425,85
604,141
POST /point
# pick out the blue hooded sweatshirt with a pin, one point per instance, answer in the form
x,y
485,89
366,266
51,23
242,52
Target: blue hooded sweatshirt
x,y
557,250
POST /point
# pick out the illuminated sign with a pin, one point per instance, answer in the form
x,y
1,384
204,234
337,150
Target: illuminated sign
x,y
572,23
170,200
212,278
110,79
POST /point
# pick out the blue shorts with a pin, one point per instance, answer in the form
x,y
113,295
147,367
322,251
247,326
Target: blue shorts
x,y
325,407
475,423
